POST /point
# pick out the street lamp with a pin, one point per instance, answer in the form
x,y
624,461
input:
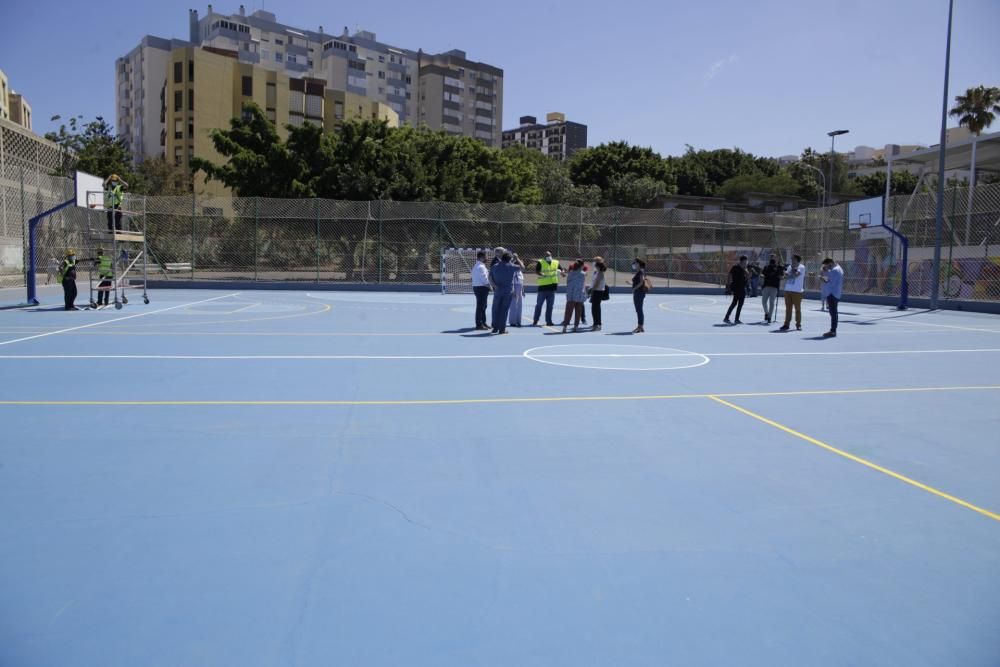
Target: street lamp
x,y
833,137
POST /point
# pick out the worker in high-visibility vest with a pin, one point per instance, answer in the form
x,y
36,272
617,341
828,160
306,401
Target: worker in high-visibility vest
x,y
114,188
105,272
67,276
548,271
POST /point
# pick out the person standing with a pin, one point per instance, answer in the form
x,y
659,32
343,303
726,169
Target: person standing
x,y
105,272
481,288
517,300
598,292
736,284
574,295
115,186
67,276
548,271
795,280
639,293
772,281
502,277
832,278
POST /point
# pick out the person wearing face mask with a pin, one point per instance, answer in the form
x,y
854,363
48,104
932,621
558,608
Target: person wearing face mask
x,y
639,292
548,271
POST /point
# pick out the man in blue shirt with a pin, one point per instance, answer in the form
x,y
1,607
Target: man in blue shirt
x,y
832,277
502,275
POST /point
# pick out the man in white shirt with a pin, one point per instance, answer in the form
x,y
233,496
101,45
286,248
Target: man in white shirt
x,y
481,288
795,282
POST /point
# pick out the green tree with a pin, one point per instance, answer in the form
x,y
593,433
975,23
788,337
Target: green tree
x,y
873,185
737,187
622,172
93,148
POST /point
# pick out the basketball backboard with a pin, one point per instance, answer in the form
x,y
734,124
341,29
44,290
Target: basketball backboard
x,y
865,213
89,190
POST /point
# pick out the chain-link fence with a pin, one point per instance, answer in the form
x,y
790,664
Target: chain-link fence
x,y
400,243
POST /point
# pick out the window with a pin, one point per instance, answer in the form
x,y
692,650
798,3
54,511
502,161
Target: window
x,y
271,101
190,70
277,56
356,65
190,100
265,55
178,128
381,59
248,86
381,74
178,100
453,97
278,40
191,129
338,110
178,72
454,83
178,155
357,81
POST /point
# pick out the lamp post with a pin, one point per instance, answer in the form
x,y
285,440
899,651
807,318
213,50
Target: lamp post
x,y
939,212
833,137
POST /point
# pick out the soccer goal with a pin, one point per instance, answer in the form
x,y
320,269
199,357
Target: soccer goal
x,y
456,269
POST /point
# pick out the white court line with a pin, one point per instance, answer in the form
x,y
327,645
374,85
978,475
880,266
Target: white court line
x,y
246,307
447,357
117,319
933,324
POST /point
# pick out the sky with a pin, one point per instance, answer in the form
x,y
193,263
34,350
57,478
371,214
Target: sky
x,y
769,77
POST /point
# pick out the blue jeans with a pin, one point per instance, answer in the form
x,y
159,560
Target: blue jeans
x,y
548,297
831,304
638,296
482,294
501,308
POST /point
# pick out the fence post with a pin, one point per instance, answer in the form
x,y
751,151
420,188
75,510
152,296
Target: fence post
x,y
719,278
379,244
559,208
194,214
614,250
317,238
256,222
670,245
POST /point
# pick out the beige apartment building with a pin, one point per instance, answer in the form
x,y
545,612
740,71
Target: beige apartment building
x,y
460,96
207,87
13,106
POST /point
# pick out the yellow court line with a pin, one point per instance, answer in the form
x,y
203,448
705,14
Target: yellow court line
x,y
490,401
858,459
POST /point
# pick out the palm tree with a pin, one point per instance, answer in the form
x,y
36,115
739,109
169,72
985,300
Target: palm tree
x,y
976,110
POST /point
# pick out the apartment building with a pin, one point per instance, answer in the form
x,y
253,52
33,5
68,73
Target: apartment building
x,y
410,84
206,87
557,137
13,106
461,96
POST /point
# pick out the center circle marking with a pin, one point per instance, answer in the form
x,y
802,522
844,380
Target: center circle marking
x,y
617,357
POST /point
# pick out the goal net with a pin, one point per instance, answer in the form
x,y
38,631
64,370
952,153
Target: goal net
x,y
456,269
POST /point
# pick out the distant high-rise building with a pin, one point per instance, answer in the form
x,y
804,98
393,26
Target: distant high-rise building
x,y
558,138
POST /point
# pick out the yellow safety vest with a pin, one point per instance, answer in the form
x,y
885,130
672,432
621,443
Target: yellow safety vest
x,y
115,195
104,266
550,273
